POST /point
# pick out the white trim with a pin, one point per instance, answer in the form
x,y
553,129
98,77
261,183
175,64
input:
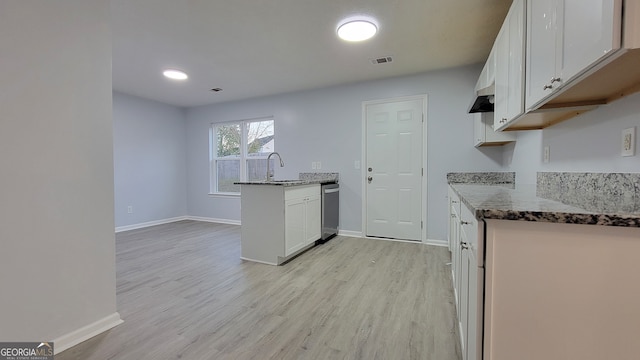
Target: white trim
x,y
179,218
214,220
77,336
363,158
150,223
394,240
434,242
350,233
258,261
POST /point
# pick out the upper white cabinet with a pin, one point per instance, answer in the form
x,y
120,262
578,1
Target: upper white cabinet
x,y
579,54
509,57
488,74
565,38
484,135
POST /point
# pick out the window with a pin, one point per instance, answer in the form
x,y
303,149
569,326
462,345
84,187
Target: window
x,y
239,152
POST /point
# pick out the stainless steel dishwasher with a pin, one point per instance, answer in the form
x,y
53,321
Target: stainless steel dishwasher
x,y
330,211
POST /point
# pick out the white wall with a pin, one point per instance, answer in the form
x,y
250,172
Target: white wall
x,y
325,125
57,258
588,143
149,160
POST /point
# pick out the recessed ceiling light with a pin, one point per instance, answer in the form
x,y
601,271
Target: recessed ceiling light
x,y
357,29
175,74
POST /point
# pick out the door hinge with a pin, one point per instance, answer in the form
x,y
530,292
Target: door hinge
x,y
421,224
422,171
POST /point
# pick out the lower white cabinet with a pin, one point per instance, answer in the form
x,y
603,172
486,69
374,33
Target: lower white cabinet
x,y
544,290
301,219
279,222
466,238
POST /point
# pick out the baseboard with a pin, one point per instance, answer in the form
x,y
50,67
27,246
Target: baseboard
x,y
349,233
213,220
86,332
150,223
434,242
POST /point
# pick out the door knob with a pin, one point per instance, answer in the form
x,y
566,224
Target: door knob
x,y
369,179
370,169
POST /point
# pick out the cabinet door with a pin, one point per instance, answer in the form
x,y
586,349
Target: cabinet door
x,y
313,216
464,295
541,50
588,31
479,134
475,278
502,76
515,99
294,219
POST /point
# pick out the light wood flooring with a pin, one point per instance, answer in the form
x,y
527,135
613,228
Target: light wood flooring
x,y
184,293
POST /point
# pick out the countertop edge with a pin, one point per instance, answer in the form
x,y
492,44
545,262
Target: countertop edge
x,y
582,217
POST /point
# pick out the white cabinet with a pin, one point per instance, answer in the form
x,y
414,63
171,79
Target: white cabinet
x,y
488,74
278,222
466,244
484,135
509,76
566,38
301,218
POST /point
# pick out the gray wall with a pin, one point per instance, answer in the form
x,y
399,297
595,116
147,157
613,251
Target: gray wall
x,y
57,258
590,142
326,125
149,160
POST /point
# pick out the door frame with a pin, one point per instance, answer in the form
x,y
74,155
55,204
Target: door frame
x,y
363,162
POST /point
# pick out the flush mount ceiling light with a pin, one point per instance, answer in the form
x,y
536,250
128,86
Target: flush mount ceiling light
x,y
175,74
357,29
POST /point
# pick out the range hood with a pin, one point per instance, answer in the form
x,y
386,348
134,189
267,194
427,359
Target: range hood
x,y
484,100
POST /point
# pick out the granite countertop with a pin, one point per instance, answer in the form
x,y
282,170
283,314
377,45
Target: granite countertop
x,y
287,183
303,179
523,202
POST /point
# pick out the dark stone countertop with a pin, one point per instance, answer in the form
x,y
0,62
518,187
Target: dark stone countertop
x,y
287,183
524,203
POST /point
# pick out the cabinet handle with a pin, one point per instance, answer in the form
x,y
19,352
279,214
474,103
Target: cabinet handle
x,y
464,222
504,120
453,216
454,201
547,87
555,79
464,245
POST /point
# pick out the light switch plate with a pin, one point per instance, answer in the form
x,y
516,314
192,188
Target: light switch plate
x,y
313,165
628,142
319,165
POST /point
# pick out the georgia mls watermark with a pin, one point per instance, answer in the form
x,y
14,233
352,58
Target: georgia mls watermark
x,y
26,351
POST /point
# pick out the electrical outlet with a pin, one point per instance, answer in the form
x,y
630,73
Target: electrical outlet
x,y
628,142
546,155
313,165
319,165
129,209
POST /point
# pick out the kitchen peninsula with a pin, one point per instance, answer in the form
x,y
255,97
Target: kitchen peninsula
x,y
281,218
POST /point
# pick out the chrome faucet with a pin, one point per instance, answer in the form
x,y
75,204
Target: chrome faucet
x,y
269,173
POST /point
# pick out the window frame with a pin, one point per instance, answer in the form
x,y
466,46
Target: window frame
x,y
244,156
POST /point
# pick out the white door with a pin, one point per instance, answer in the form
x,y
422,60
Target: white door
x,y
393,168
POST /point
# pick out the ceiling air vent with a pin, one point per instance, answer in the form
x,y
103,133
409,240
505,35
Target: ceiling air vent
x,y
382,60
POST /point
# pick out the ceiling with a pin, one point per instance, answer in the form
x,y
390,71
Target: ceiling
x,y
252,48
